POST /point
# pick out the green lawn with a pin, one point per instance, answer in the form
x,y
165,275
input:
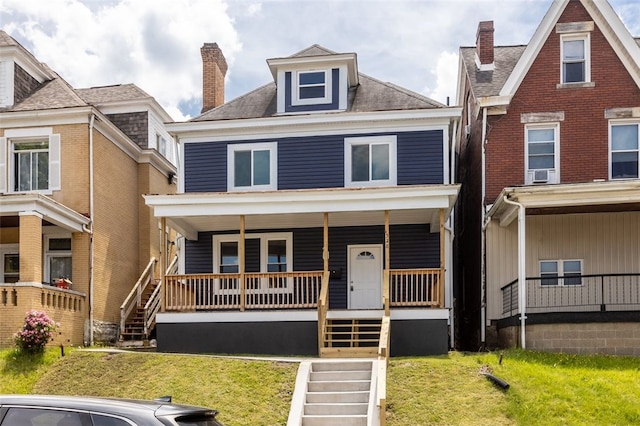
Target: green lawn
x,y
545,389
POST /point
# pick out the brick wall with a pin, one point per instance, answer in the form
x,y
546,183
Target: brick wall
x,y
583,133
582,338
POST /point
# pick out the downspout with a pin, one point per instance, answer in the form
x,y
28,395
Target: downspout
x,y
522,291
449,229
483,236
91,215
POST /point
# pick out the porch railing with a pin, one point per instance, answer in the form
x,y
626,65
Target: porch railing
x,y
575,293
134,299
415,287
154,303
271,290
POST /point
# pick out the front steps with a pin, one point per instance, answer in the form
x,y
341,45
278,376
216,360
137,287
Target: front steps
x,y
334,392
357,336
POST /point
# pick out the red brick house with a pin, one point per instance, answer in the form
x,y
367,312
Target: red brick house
x,y
550,204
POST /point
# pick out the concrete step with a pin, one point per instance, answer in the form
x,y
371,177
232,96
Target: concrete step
x,y
325,376
339,386
337,397
340,365
334,420
336,409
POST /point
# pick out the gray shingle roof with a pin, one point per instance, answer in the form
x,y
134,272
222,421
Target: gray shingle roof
x,y
370,95
115,93
489,83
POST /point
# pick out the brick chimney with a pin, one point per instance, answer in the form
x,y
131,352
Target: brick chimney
x,y
214,68
484,44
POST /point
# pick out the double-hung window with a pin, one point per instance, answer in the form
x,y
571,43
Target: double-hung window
x,y
29,160
542,153
625,150
370,161
268,253
252,167
575,52
551,272
312,87
58,258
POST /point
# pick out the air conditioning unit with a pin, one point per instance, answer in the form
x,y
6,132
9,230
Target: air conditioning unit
x,y
540,176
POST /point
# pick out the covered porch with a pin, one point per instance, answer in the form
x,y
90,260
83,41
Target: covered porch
x,y
564,256
324,254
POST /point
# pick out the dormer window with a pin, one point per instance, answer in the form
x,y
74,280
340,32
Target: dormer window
x,y
312,87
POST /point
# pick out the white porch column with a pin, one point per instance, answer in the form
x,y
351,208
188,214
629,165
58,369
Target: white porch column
x,y
522,273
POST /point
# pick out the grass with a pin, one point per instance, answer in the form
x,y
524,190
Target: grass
x,y
546,389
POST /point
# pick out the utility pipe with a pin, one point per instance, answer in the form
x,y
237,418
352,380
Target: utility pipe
x,y
522,290
483,236
92,216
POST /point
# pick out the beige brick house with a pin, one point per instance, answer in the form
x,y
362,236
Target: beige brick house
x,y
74,164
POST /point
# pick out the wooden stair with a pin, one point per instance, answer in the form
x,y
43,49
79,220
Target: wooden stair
x,y
351,337
134,326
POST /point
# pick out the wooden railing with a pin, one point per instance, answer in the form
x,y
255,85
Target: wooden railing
x,y
134,299
323,307
415,287
383,363
270,290
153,305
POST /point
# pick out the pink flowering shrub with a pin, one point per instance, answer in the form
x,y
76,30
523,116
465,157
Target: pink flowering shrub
x,y
36,332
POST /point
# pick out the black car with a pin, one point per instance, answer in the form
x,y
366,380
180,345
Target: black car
x,y
41,410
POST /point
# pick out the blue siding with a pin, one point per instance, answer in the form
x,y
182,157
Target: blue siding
x,y
316,161
412,246
335,95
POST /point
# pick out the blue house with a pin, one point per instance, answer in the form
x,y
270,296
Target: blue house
x,y
309,210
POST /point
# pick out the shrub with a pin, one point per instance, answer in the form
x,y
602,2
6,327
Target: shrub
x,y
36,332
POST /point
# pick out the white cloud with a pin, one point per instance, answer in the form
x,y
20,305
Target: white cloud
x,y
446,78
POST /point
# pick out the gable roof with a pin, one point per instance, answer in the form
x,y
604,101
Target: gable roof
x,y
114,93
514,65
368,95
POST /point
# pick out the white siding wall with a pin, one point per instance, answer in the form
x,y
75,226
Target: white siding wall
x,y
606,242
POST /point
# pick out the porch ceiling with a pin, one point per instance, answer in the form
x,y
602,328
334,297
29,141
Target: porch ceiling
x,y
51,211
193,213
591,197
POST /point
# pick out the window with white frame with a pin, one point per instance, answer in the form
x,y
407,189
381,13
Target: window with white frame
x,y
541,153
10,266
575,55
276,255
625,150
312,87
58,258
560,272
29,160
370,161
252,167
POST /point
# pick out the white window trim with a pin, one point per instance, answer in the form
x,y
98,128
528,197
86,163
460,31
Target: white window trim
x,y
561,273
48,254
554,174
391,140
328,92
622,123
264,239
273,166
587,56
4,250
7,162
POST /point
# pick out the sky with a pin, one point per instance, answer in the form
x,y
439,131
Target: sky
x,y
155,44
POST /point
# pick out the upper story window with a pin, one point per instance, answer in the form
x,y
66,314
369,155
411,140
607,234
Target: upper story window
x,y
29,160
252,167
370,161
541,153
312,87
576,58
625,150
560,272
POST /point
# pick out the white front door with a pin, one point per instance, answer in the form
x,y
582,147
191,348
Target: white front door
x,y
365,277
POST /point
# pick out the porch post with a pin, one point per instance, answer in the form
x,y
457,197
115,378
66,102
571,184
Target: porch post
x,y
522,273
163,262
386,300
30,251
325,243
441,283
241,259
